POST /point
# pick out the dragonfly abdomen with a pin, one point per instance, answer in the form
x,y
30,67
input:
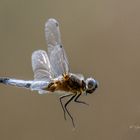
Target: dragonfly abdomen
x,y
15,82
3,80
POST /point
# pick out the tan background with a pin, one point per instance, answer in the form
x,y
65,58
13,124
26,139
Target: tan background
x,y
102,39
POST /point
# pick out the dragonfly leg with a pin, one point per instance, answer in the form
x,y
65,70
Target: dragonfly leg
x,y
64,96
67,109
77,101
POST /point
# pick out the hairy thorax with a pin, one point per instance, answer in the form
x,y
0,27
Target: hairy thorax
x,y
67,83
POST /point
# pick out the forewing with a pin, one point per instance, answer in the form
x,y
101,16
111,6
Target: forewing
x,y
41,66
56,52
80,76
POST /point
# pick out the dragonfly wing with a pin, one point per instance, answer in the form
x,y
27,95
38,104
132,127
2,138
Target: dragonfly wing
x,y
56,52
80,76
41,66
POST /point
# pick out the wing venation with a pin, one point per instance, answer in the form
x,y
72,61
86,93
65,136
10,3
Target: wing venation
x,y
41,66
56,52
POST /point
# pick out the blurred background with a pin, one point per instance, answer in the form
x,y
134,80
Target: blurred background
x,y
102,40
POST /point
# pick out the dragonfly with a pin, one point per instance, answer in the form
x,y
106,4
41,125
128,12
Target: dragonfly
x,y
52,72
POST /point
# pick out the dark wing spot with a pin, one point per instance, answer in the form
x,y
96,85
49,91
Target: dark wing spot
x,y
56,23
61,46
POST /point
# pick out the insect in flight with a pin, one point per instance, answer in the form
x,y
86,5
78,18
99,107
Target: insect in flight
x,y
52,73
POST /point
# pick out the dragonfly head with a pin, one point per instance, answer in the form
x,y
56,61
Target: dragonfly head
x,y
91,85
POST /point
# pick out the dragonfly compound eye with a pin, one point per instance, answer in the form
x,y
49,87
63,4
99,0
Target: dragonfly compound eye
x,y
91,85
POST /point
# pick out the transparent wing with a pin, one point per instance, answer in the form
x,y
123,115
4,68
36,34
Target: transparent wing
x,y
41,66
56,52
80,76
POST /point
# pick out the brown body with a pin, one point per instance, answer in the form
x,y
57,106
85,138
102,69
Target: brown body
x,y
68,83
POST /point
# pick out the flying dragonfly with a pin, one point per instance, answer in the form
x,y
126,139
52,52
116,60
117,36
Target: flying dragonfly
x,y
52,73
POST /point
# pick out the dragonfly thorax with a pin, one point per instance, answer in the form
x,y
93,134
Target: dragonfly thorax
x,y
67,83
